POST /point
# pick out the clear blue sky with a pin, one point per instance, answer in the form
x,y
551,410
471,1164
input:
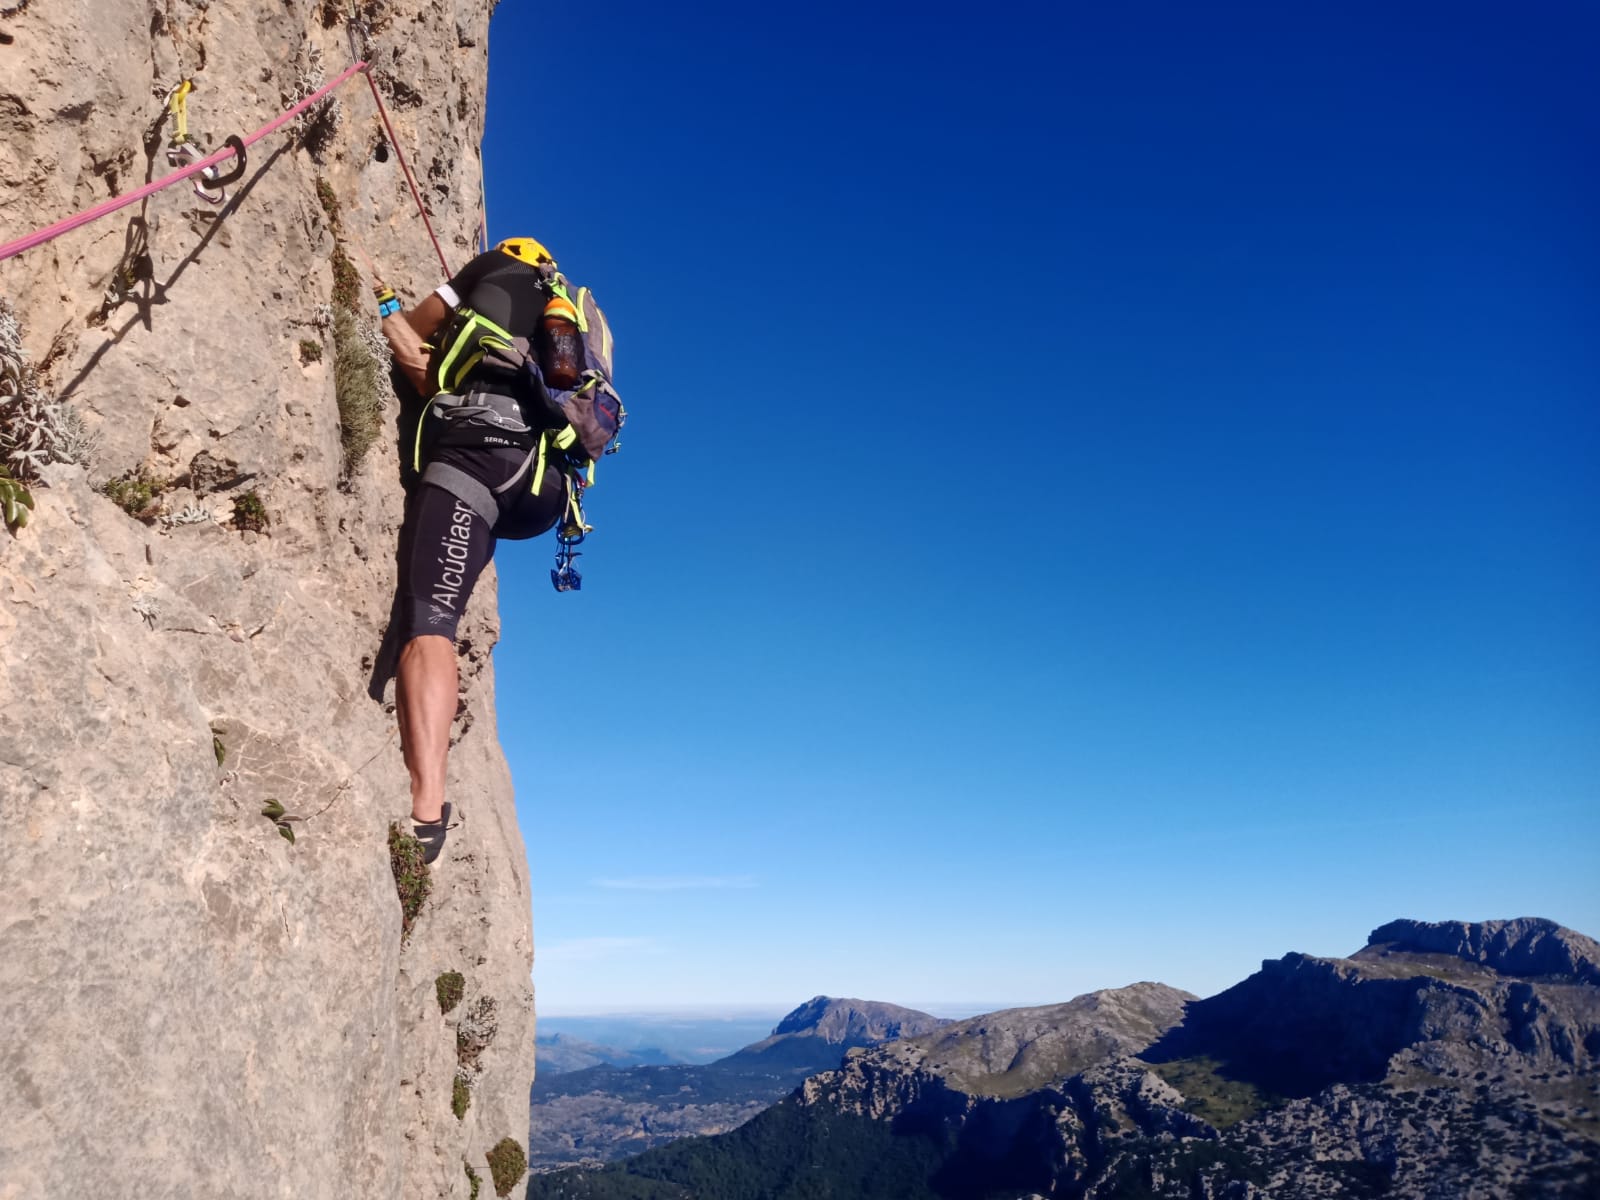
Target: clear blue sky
x,y
1111,491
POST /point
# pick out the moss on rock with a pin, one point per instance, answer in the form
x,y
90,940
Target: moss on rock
x,y
411,881
507,1165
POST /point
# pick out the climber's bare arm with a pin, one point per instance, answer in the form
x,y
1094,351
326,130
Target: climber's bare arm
x,y
408,334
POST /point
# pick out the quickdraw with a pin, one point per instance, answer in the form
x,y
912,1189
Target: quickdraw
x,y
359,35
564,576
569,534
182,152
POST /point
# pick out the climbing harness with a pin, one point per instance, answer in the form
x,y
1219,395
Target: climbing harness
x,y
463,343
182,152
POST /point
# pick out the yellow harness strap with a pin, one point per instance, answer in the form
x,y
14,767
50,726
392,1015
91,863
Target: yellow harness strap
x,y
476,332
562,440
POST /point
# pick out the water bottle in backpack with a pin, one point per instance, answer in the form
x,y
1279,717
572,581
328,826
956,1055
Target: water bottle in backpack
x,y
561,356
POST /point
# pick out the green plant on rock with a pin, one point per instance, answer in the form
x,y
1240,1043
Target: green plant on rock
x,y
329,202
346,281
217,747
15,501
249,513
449,988
137,494
274,812
411,881
358,372
472,1181
357,377
460,1097
507,1165
310,350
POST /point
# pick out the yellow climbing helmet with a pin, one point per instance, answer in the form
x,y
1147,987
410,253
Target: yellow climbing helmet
x,y
526,250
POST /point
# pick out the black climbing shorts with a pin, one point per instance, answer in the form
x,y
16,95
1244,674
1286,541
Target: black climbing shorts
x,y
446,542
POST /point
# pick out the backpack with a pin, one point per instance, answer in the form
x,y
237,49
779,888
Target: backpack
x,y
572,427
593,412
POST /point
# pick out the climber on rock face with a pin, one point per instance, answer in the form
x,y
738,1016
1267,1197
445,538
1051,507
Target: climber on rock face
x,y
484,476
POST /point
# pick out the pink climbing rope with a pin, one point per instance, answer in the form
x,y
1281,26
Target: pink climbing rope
x,y
406,167
40,236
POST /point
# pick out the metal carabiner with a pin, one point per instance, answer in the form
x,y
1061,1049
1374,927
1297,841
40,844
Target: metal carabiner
x,y
186,153
181,152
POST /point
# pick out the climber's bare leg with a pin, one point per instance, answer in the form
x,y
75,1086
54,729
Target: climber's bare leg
x,y
425,697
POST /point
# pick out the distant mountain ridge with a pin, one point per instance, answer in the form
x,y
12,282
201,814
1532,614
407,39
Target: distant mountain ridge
x,y
562,1053
846,1021
600,1113
823,1028
1446,1059
1014,1051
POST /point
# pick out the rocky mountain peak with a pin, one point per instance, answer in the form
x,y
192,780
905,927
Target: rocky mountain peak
x,y
1528,946
1018,1049
855,1021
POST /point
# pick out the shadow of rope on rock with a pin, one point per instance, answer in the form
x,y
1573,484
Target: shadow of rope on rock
x,y
162,287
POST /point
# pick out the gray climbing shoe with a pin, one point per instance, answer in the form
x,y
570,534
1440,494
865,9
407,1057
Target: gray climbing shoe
x,y
431,834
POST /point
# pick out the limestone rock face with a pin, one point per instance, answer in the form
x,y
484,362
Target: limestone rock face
x,y
193,1005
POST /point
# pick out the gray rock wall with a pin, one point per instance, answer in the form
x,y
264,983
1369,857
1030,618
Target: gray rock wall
x,y
192,1005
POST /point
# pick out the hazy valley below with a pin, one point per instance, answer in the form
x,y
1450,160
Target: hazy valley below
x,y
1439,1060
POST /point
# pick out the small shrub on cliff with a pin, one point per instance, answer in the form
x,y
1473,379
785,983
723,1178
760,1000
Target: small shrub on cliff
x,y
449,988
411,881
329,202
460,1097
137,494
35,428
346,282
475,1031
316,126
472,1181
249,513
310,350
507,1164
356,380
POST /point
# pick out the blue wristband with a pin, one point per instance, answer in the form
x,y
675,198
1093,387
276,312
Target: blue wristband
x,y
389,307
